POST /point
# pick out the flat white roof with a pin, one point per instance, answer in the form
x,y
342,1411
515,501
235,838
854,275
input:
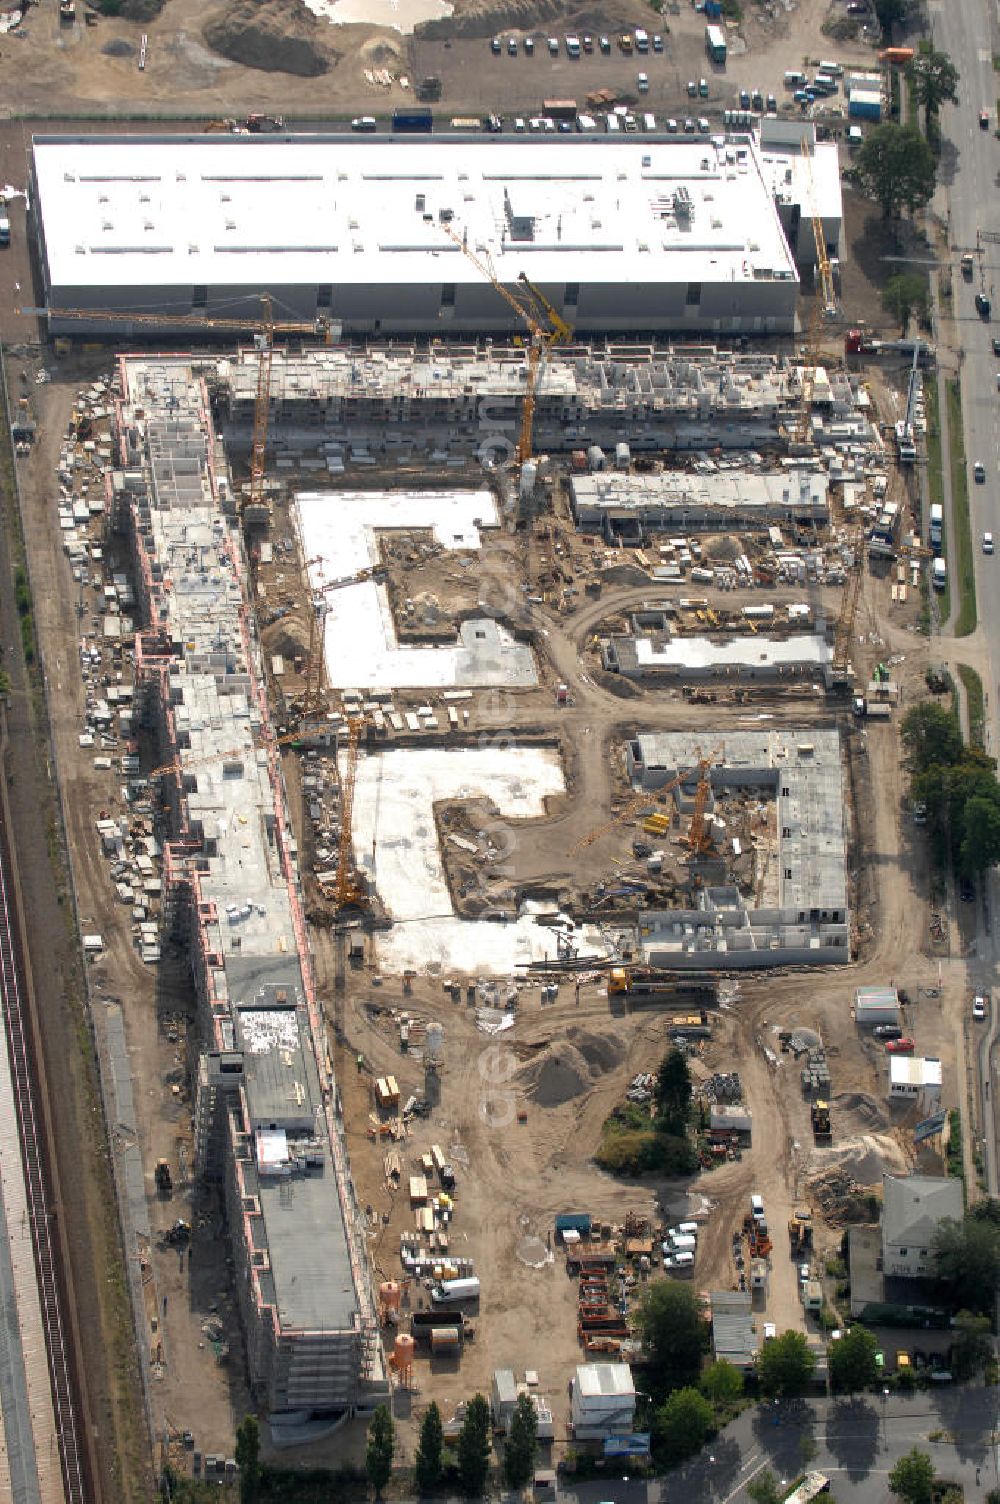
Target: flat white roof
x,y
604,1379
914,1070
757,652
133,211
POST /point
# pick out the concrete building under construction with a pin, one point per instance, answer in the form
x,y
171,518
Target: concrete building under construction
x,y
267,1124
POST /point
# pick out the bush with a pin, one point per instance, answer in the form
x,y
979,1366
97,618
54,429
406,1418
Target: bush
x,y
639,1151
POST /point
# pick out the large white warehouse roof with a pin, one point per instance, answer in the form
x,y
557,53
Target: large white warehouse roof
x,y
128,213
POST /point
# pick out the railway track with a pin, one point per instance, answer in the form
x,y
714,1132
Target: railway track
x,y
14,1007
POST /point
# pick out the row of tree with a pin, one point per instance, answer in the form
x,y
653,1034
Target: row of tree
x,y
470,1463
957,784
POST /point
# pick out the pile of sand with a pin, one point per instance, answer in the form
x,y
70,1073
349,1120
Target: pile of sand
x,y
869,1109
569,1067
864,1158
483,18
277,36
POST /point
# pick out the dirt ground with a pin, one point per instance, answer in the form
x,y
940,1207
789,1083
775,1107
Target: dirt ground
x,y
50,69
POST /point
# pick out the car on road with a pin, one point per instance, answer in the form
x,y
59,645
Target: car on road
x,y
903,1046
920,813
966,890
979,473
979,1008
984,120
987,543
364,123
983,305
996,347
642,83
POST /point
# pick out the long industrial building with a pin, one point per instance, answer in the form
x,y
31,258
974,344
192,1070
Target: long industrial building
x,y
267,1123
682,234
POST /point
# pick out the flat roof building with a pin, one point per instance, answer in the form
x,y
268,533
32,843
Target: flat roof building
x,y
266,1119
679,234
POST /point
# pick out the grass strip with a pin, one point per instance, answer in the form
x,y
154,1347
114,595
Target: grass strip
x,y
935,482
973,686
962,565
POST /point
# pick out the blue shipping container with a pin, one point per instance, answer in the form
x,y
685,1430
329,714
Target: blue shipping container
x,y
864,106
713,9
574,1222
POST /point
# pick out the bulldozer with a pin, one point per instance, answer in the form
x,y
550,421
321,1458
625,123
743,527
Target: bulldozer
x,y
820,1113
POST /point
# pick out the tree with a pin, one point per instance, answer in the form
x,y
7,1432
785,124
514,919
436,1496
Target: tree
x,y
934,80
973,1345
673,1093
522,1444
980,844
247,1456
474,1447
967,1263
912,1478
852,1361
890,13
932,736
682,1425
428,1458
764,1488
904,295
674,1332
896,167
785,1365
378,1454
722,1383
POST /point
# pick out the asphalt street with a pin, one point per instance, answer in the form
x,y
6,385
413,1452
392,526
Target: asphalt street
x,y
856,1443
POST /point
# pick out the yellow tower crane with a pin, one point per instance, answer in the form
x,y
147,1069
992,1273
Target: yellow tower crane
x,y
264,327
545,326
825,306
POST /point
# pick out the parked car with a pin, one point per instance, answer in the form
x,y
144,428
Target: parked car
x,y
979,1007
920,813
966,890
996,347
983,305
553,45
657,42
987,543
529,46
984,120
604,43
692,89
887,1031
364,123
979,473
512,46
642,83
496,46
703,87
903,1046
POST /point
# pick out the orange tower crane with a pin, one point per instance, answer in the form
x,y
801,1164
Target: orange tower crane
x,y
642,801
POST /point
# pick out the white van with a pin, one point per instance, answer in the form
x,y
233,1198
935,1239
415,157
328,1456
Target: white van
x,y
688,1229
683,1263
835,70
939,574
794,78
757,1207
649,122
683,1243
612,125
451,1291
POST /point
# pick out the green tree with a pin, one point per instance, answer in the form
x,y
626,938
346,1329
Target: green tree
x,y
674,1332
378,1454
673,1093
972,1348
852,1361
967,1263
785,1366
247,1455
428,1458
895,166
890,13
764,1488
912,1478
522,1444
722,1383
682,1425
931,736
934,81
903,295
474,1447
993,1497
980,843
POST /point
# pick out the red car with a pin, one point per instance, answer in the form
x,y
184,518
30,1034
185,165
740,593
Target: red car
x,y
900,1047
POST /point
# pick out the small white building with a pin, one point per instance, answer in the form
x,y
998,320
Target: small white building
x,y
602,1401
913,1207
877,1005
915,1078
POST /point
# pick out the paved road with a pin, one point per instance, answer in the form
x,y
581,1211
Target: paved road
x,y
857,1442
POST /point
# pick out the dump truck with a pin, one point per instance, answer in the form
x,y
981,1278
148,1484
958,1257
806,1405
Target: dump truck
x,y
820,1113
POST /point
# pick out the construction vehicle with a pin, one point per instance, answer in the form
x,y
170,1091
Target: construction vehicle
x,y
640,802
800,1232
820,1115
545,326
263,125
163,1178
264,328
